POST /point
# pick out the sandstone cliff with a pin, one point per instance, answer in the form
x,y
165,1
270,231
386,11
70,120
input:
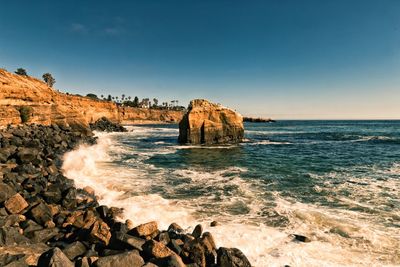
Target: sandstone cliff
x,y
208,123
47,106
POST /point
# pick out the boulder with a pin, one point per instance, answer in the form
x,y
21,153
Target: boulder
x,y
127,259
145,229
208,123
16,204
121,241
301,238
12,236
26,155
100,231
6,192
43,235
41,213
198,230
74,250
54,258
158,250
231,257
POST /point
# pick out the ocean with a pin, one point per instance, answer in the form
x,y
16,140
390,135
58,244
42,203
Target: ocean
x,y
336,182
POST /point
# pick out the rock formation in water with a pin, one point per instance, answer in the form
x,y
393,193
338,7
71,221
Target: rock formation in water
x,y
208,123
44,105
251,119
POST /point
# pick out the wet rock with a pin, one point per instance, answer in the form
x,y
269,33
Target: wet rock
x,y
69,198
29,226
126,259
26,155
122,241
12,220
43,235
12,260
54,258
74,250
103,211
89,190
174,261
145,229
231,257
174,227
6,192
175,245
150,264
12,236
154,249
164,238
100,231
208,243
196,253
129,224
198,230
301,238
40,213
82,262
214,223
53,194
105,125
16,204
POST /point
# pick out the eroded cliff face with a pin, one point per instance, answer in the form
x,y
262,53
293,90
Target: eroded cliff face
x,y
47,106
208,123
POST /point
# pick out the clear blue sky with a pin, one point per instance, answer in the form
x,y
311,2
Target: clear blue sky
x,y
284,58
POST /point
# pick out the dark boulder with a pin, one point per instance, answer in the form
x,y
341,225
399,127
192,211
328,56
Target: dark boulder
x,y
26,155
301,238
105,125
231,257
122,241
43,235
69,198
6,192
74,250
40,213
126,259
12,236
198,230
54,258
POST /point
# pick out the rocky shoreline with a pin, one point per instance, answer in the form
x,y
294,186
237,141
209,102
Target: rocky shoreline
x,y
46,221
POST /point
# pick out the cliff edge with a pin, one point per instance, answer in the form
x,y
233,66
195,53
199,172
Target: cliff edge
x,y
47,106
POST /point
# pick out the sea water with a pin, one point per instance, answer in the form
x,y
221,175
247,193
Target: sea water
x,y
336,182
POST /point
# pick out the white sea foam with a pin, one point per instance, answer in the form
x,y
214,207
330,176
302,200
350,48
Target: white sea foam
x,y
131,189
268,142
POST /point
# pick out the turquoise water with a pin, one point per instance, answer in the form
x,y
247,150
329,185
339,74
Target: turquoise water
x,y
338,182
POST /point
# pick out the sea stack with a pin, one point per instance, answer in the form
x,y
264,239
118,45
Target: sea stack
x,y
208,123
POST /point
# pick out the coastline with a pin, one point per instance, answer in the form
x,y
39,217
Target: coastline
x,y
67,224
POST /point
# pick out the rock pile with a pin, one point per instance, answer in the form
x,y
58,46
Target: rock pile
x,y
208,123
46,221
105,125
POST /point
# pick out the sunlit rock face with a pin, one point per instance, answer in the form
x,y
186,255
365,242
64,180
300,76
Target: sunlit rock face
x,y
208,123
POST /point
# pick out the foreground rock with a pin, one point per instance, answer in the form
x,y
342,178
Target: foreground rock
x,y
208,123
46,221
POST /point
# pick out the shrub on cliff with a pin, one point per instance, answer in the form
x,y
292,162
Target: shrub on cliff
x,y
25,113
93,96
21,71
48,78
